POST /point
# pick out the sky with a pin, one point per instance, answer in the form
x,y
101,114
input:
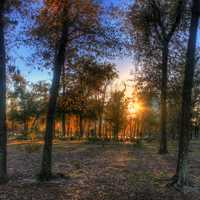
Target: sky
x,y
123,64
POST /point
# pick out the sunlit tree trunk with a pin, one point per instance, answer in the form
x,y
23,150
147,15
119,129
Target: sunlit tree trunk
x,y
68,126
25,127
100,125
63,112
81,125
13,126
102,111
134,126
3,132
46,168
182,173
35,121
63,124
95,127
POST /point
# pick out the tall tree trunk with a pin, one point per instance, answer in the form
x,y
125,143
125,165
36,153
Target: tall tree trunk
x,y
182,174
163,131
135,129
100,125
63,112
35,122
25,127
95,127
68,126
13,126
46,168
3,131
63,124
101,113
81,125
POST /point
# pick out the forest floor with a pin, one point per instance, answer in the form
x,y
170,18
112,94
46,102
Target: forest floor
x,y
96,172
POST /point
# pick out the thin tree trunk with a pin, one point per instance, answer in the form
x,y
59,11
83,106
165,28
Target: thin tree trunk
x,y
81,125
63,124
13,126
101,113
182,173
68,126
163,131
3,131
63,112
46,168
131,129
135,129
35,122
25,127
100,125
95,127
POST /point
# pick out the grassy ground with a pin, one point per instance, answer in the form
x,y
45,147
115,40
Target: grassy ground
x,y
112,172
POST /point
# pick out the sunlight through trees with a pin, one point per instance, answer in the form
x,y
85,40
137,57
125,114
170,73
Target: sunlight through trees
x,y
91,124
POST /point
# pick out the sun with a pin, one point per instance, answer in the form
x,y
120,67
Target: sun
x,y
134,107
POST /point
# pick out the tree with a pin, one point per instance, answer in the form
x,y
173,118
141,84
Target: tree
x,y
6,6
3,132
64,27
39,93
30,101
63,95
182,173
110,75
88,77
154,25
146,97
116,111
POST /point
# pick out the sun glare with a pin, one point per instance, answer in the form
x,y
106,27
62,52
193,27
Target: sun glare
x,y
134,108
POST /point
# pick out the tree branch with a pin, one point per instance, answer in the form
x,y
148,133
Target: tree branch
x,y
179,12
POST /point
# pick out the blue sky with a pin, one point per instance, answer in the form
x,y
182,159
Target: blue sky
x,y
124,64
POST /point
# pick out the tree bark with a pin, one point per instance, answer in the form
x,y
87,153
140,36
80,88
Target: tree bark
x,y
81,125
163,131
182,173
95,127
63,124
63,112
68,126
3,129
100,126
35,122
46,168
102,112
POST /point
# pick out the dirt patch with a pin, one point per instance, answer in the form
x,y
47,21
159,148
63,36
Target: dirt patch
x,y
118,172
